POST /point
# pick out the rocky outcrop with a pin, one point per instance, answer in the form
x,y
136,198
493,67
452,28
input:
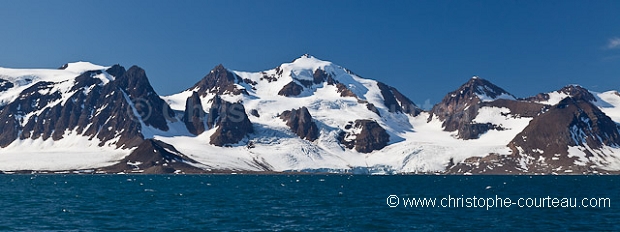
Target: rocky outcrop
x,y
373,108
397,102
572,122
151,109
5,85
319,76
301,123
364,136
231,121
112,111
344,91
194,115
575,91
291,89
254,112
458,108
155,157
543,146
219,81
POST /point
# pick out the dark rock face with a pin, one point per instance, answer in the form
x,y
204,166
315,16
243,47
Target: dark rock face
x,y
372,108
194,115
572,122
397,102
574,91
467,129
9,127
370,138
219,81
231,121
254,113
91,109
542,147
291,89
344,91
300,122
154,157
5,85
459,108
150,107
319,76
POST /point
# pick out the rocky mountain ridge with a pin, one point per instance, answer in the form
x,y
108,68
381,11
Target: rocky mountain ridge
x,y
309,115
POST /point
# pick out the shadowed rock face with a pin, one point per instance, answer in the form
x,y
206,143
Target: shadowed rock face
x,y
344,91
111,111
5,85
300,122
291,89
154,157
572,122
397,102
574,91
371,136
542,147
231,121
150,107
459,108
219,81
372,108
194,115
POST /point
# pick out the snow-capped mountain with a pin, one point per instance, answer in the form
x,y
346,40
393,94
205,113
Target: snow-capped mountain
x,y
306,115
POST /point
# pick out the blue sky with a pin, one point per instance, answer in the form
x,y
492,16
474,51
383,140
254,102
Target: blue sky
x,y
424,48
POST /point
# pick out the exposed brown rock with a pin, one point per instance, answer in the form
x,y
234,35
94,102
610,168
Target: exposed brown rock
x,y
542,147
574,91
232,124
397,102
219,81
371,137
194,115
458,108
151,109
344,91
291,89
300,121
154,157
9,127
319,76
572,122
372,108
100,112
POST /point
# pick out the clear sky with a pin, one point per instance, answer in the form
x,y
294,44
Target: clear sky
x,y
424,48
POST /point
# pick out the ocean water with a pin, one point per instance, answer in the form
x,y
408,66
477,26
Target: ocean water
x,y
301,203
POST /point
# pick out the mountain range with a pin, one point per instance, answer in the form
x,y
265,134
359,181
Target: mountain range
x,y
308,115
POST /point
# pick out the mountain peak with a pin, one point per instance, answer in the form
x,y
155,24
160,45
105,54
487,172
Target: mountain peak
x,y
573,91
455,109
578,92
81,66
309,61
482,89
220,81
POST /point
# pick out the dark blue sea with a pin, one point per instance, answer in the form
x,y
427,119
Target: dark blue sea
x,y
305,203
